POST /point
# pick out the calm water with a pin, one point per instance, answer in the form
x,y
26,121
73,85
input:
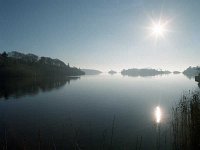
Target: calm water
x,y
90,112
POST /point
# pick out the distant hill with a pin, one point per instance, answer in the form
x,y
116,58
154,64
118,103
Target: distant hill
x,y
112,72
91,71
143,72
192,71
16,64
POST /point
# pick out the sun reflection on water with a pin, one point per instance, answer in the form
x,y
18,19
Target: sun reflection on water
x,y
158,114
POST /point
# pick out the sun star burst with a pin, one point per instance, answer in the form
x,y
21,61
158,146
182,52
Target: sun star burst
x,y
158,28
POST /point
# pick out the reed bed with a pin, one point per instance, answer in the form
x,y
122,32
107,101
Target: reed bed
x,y
185,122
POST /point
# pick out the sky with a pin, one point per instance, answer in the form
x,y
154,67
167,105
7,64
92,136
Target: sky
x,y
103,34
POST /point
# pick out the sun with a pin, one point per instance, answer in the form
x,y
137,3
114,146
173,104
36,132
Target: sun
x,y
158,29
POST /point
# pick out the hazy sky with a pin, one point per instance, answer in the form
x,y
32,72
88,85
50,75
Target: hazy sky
x,y
103,34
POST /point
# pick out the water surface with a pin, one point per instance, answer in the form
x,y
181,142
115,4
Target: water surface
x,y
90,112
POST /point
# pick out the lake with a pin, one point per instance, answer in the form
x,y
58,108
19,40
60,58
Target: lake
x,y
89,112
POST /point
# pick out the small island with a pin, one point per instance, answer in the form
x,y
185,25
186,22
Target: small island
x,y
191,72
91,71
176,72
112,72
143,72
16,64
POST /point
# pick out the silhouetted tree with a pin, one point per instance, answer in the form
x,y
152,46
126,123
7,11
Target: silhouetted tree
x,y
30,65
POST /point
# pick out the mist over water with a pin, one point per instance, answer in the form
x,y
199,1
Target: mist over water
x,y
93,111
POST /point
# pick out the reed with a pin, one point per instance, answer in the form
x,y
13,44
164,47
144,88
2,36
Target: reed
x,y
185,122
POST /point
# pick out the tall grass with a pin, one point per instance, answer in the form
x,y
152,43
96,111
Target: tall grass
x,y
185,123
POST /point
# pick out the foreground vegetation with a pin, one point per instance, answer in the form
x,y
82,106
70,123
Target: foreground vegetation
x,y
185,123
